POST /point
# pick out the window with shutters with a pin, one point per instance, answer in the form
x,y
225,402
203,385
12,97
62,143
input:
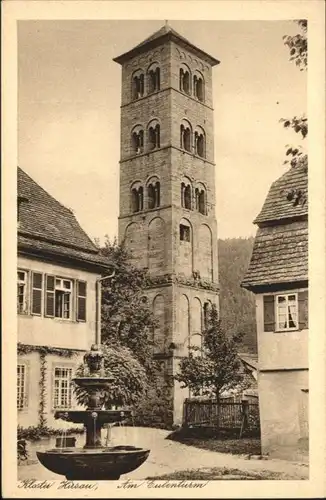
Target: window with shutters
x,y
62,298
37,288
62,391
22,291
286,311
59,298
21,387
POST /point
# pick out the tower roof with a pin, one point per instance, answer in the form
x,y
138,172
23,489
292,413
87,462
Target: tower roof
x,y
163,34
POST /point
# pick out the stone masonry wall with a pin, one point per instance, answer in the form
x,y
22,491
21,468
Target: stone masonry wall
x,y
153,235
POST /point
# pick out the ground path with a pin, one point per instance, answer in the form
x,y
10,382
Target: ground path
x,y
167,456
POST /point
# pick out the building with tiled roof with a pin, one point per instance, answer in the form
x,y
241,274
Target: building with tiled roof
x,y
58,302
278,276
49,229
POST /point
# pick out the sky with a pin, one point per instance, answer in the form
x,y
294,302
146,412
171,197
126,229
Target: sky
x,y
69,92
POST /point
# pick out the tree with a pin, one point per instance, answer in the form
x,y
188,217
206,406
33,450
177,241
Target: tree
x,y
130,381
127,318
215,367
298,47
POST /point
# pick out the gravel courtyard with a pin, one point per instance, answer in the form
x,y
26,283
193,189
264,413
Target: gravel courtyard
x,y
166,456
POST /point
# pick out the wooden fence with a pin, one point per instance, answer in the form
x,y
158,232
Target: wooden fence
x,y
232,416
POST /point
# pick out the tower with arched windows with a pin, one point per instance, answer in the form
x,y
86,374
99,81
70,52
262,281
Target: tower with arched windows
x,y
167,190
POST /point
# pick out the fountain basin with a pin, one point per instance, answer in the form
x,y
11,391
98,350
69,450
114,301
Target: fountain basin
x,y
84,416
95,382
106,463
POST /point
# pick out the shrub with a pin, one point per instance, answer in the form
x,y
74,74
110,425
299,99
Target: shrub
x,y
154,411
37,432
22,453
129,378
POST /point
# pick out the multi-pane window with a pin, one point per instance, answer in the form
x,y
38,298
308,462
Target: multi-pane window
x,y
62,394
21,387
21,291
287,312
53,296
63,298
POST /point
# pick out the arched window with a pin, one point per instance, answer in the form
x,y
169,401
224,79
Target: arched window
x,y
186,196
199,142
154,78
184,79
154,137
185,135
137,198
185,232
207,309
200,200
153,194
138,85
198,86
137,140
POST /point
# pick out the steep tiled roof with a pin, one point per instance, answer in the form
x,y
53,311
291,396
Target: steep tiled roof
x,y
46,225
280,255
165,31
276,206
39,247
280,252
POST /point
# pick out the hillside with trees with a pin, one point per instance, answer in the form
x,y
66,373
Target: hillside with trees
x,y
237,306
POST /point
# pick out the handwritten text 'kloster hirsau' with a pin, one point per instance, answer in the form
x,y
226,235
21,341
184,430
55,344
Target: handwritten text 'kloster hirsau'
x,y
128,484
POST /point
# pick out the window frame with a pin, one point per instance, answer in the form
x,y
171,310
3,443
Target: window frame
x,y
24,395
276,312
69,388
71,291
25,293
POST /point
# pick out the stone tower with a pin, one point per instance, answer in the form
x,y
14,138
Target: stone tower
x,y
167,189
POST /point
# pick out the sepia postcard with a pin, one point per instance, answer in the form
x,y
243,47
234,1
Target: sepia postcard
x,y
168,242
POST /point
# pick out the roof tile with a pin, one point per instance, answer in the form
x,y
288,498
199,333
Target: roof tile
x,y
45,224
280,254
276,206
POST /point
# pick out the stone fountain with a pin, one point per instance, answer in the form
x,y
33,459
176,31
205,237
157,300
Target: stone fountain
x,y
94,461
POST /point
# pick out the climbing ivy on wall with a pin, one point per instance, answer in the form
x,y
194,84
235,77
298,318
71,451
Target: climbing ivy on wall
x,y
43,352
